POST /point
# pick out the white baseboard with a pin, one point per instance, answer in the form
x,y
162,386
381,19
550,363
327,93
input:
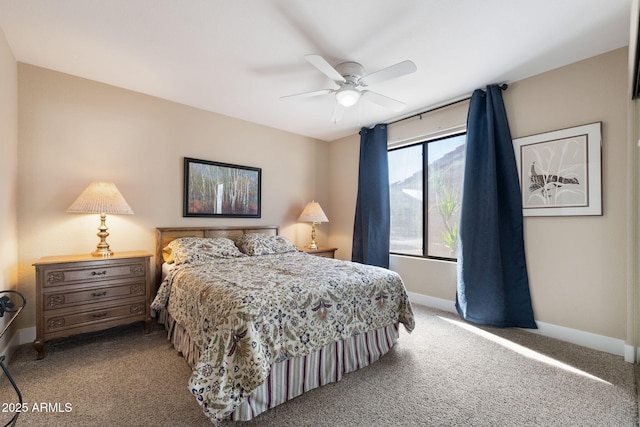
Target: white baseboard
x,y
21,336
26,335
630,353
586,339
426,300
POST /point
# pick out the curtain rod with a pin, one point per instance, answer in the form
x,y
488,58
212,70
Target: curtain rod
x,y
454,101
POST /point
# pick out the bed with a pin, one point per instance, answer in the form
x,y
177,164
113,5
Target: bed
x,y
260,322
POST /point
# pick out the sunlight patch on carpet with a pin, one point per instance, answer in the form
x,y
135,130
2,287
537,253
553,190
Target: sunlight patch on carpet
x,y
524,351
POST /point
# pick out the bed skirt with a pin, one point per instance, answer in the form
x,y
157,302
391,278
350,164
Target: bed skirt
x,y
292,377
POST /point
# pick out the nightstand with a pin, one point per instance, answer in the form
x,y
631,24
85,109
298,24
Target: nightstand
x,y
81,293
323,251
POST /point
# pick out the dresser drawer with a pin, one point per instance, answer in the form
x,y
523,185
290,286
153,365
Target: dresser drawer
x,y
322,251
53,300
324,254
68,275
76,294
53,323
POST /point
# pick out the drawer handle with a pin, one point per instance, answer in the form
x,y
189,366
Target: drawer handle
x,y
98,294
99,315
99,273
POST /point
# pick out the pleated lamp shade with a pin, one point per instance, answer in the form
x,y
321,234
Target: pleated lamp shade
x,y
313,213
102,198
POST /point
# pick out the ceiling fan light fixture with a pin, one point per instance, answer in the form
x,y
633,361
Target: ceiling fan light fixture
x,y
347,96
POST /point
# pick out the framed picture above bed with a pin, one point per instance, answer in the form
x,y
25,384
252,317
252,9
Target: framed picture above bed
x,y
213,189
560,171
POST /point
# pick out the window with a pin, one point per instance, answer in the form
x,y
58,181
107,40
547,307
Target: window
x,y
425,182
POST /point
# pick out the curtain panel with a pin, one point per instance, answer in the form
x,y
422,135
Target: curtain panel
x,y
372,223
493,283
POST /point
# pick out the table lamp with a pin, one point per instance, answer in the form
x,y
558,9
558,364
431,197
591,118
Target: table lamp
x,y
102,198
314,214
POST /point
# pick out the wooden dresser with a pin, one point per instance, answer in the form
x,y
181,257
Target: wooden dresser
x,y
81,293
323,251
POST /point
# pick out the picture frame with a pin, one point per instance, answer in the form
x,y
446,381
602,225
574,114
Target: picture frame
x,y
560,172
214,189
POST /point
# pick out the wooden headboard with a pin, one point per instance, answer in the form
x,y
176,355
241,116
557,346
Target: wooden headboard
x,y
164,235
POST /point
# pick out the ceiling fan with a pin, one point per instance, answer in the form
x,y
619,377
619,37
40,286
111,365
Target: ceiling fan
x,y
350,80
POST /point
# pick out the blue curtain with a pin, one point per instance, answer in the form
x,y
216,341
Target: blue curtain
x,y
372,222
493,284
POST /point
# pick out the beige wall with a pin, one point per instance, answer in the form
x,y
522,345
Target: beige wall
x,y
73,131
8,167
577,265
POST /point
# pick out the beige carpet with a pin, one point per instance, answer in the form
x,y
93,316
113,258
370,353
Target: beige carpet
x,y
446,373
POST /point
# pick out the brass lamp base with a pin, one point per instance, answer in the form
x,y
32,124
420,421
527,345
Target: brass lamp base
x,y
102,250
102,253
313,244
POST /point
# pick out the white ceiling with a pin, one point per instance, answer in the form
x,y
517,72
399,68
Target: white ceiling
x,y
238,57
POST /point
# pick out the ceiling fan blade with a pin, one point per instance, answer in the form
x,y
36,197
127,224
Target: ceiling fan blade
x,y
383,101
308,94
398,70
321,64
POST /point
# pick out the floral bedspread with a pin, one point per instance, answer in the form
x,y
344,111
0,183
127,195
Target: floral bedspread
x,y
247,313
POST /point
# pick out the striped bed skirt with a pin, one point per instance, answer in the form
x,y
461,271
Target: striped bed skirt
x,y
292,377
